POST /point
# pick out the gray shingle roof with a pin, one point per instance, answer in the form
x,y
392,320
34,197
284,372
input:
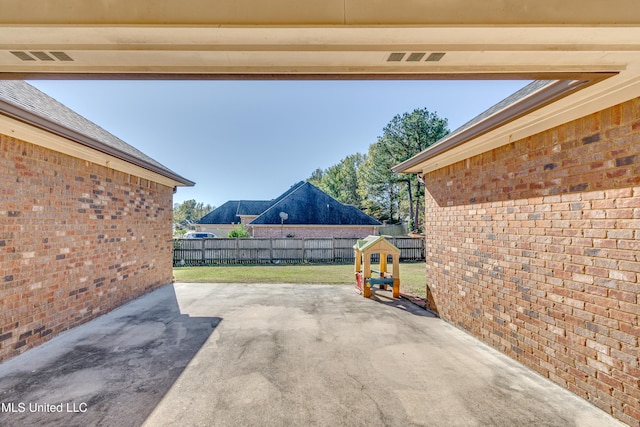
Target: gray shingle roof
x,y
229,212
252,207
509,100
26,103
304,203
307,205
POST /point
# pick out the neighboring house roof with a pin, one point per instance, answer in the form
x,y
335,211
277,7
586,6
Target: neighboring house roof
x,y
229,212
305,204
252,207
25,103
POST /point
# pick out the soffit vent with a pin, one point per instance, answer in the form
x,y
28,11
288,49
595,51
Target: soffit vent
x,y
61,56
435,57
24,56
41,56
415,57
396,57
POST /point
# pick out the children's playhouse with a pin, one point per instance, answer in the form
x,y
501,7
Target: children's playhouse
x,y
383,278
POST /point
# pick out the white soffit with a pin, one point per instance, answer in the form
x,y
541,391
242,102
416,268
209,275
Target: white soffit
x,y
211,51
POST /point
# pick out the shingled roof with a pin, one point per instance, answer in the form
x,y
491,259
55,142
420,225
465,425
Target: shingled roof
x,y
307,205
25,103
304,204
229,212
530,98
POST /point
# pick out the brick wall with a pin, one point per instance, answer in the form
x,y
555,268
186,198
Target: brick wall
x,y
314,232
534,247
76,240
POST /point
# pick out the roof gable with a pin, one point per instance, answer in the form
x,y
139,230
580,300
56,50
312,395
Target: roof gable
x,y
229,212
253,207
530,98
223,214
24,102
305,204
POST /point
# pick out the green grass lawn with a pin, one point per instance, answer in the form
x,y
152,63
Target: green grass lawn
x,y
412,275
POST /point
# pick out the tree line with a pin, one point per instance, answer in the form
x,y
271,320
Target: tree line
x,y
367,181
189,211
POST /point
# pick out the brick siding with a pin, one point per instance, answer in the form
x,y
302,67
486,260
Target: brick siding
x,y
76,240
313,232
534,247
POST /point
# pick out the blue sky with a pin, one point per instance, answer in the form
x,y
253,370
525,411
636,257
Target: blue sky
x,y
254,139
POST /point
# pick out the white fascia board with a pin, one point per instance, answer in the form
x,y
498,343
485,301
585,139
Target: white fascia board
x,y
22,131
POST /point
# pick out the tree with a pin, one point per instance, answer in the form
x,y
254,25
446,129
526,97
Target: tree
x,y
239,231
367,181
189,210
378,187
316,178
405,136
341,181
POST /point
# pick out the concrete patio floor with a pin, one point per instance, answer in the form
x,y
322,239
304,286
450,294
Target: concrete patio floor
x,y
274,355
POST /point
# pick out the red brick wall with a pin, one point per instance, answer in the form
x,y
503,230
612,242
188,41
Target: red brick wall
x,y
314,232
534,247
76,240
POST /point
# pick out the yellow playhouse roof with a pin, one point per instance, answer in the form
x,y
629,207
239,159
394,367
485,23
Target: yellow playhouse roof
x,y
375,243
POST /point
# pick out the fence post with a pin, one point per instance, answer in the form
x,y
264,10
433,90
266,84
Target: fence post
x,y
333,249
203,257
235,252
271,251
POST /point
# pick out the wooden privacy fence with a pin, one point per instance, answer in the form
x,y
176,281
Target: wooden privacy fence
x,y
289,250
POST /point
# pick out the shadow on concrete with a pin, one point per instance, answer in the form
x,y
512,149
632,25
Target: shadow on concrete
x,y
385,297
111,371
286,355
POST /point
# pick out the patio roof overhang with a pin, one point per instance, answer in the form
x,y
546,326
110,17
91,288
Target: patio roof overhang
x,y
590,47
438,39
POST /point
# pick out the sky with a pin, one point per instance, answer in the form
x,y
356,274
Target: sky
x,y
252,140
